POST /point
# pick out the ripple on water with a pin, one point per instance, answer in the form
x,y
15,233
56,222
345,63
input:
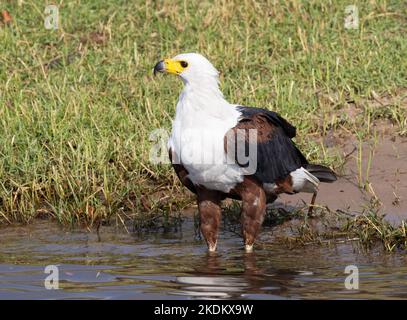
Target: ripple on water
x,y
125,266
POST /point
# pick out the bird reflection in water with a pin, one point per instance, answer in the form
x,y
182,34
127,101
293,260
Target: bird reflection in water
x,y
218,278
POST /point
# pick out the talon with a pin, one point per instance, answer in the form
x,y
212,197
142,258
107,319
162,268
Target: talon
x,y
248,248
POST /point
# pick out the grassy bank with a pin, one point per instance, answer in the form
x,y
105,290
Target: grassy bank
x,y
77,104
368,228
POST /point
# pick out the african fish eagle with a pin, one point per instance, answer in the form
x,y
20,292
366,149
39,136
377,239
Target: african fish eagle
x,y
199,151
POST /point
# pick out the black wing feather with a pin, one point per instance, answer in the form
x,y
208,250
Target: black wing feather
x,y
278,155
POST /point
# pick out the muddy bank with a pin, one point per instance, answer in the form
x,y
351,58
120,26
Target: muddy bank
x,y
382,180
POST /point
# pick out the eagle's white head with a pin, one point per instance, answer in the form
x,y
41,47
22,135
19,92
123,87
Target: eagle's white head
x,y
193,68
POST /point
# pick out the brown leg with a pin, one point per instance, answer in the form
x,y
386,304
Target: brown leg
x,y
253,210
210,214
311,206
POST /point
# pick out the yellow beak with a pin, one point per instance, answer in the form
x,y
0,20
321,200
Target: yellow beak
x,y
169,66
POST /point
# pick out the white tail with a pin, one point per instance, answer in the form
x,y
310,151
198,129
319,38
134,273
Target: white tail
x,y
303,181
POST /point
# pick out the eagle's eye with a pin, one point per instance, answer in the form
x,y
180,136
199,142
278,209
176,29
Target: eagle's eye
x,y
184,64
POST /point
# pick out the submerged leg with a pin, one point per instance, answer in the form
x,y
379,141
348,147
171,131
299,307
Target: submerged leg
x,y
253,210
210,216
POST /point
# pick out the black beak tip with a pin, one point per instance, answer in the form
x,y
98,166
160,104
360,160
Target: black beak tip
x,y
159,67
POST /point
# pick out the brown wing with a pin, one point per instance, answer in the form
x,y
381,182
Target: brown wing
x,y
277,155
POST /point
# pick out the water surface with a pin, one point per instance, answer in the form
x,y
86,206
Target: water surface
x,y
175,265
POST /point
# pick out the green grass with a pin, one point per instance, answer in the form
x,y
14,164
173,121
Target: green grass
x,y
76,112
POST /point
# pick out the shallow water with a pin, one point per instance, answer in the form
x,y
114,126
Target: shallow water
x,y
176,266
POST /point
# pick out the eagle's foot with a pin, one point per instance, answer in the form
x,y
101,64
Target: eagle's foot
x,y
248,248
212,246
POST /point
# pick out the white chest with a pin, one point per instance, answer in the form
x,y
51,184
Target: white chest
x,y
197,139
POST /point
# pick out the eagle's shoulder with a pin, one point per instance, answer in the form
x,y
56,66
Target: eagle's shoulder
x,y
250,113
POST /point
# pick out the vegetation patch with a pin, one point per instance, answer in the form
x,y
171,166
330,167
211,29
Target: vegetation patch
x,y
325,227
78,104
